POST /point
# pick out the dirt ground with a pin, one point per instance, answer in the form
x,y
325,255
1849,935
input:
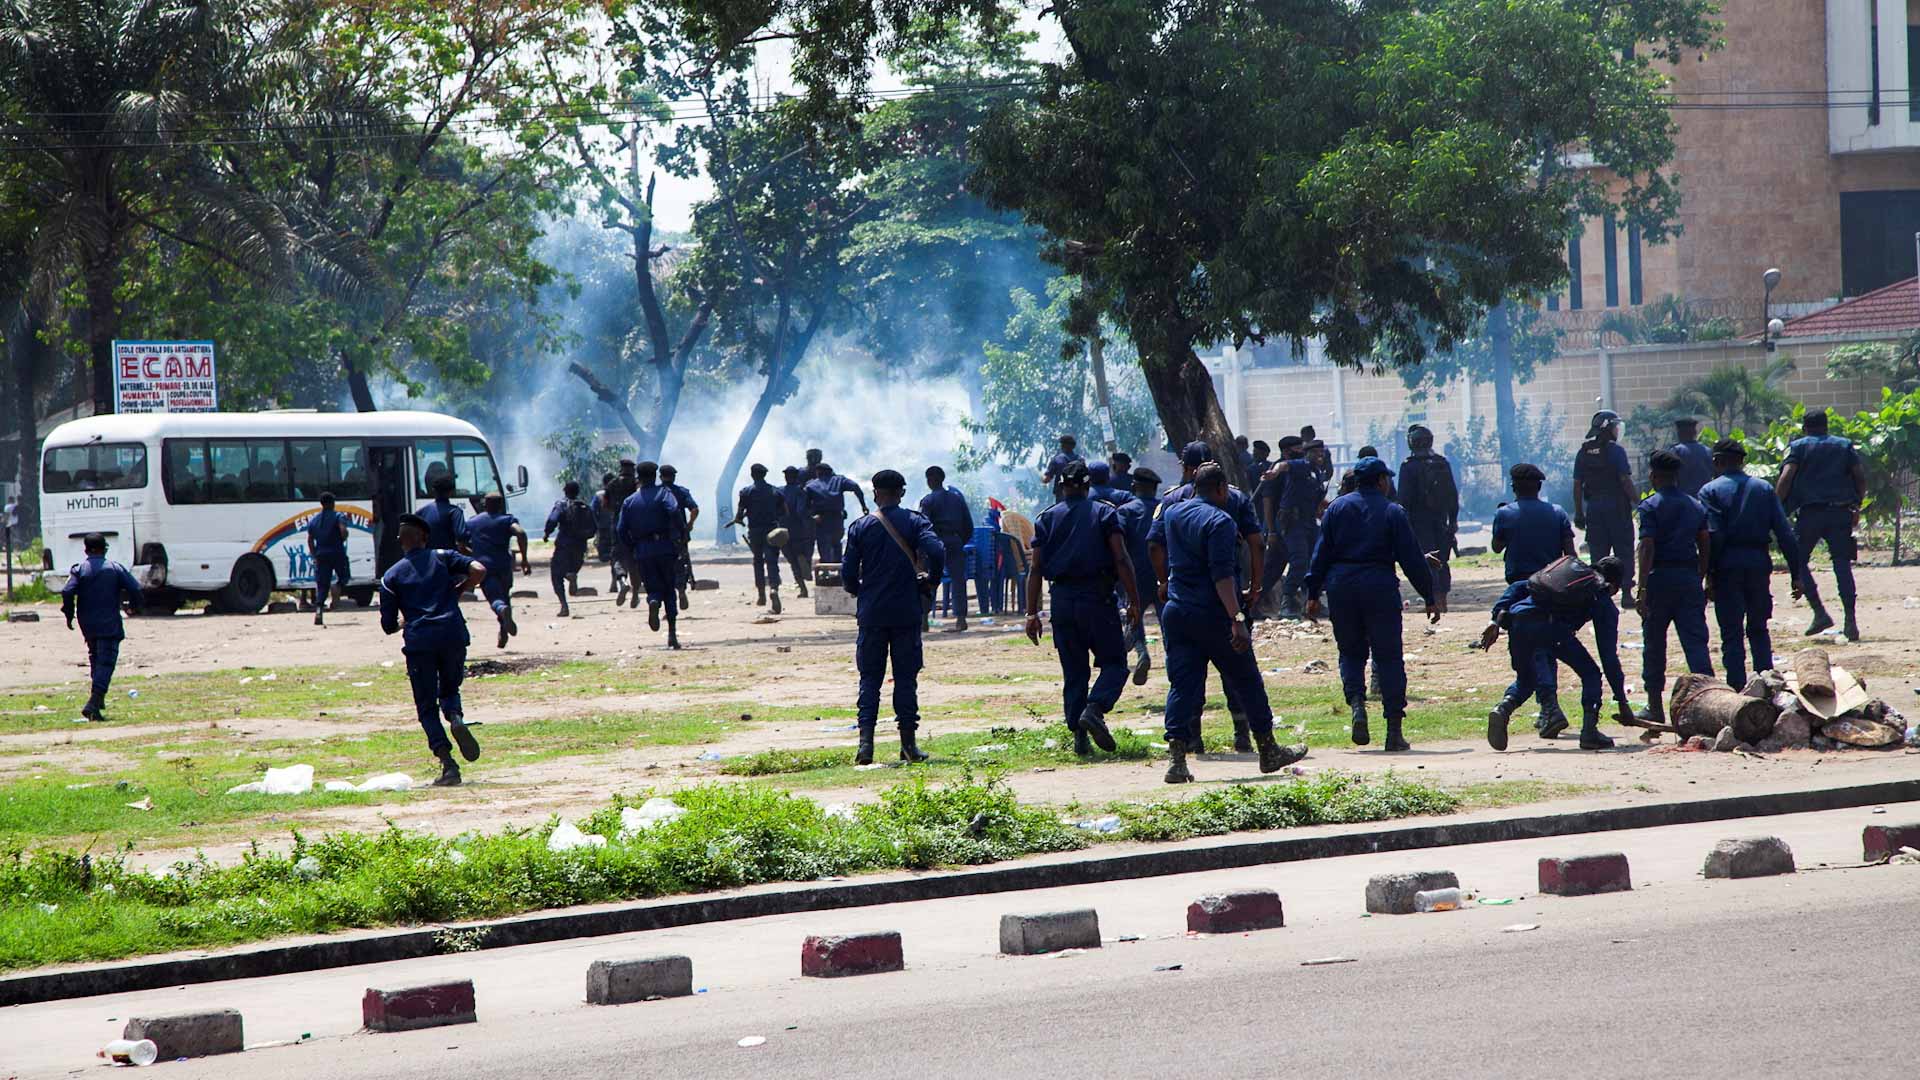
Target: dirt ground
x,y
747,660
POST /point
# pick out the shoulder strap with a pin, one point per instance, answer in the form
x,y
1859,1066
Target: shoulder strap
x,y
912,555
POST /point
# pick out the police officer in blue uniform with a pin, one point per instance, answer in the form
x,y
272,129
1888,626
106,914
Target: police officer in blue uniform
x,y
650,529
1267,496
892,563
1069,452
571,524
1100,485
827,504
1080,548
618,491
1696,461
952,519
689,513
1529,533
490,536
763,508
1432,501
1674,551
1542,630
1136,520
92,595
1603,495
1200,623
1364,535
1297,515
446,522
327,548
799,525
1824,483
1742,513
421,593
1120,463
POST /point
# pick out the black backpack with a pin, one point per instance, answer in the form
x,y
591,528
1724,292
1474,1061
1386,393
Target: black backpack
x,y
579,519
1426,486
1565,585
1590,468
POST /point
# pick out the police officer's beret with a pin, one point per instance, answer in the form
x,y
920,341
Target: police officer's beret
x,y
1665,461
791,470
1146,476
1370,468
1526,472
1075,472
889,480
1288,442
1729,447
1098,472
1195,454
1314,444
668,470
416,521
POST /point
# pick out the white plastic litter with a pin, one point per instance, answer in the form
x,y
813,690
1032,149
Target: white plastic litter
x,y
363,684
1108,824
711,755
145,803
753,1040
331,785
393,781
292,780
270,676
306,868
568,836
990,748
254,788
640,818
840,810
456,856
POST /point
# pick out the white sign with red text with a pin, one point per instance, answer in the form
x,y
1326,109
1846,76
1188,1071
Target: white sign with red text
x,y
164,376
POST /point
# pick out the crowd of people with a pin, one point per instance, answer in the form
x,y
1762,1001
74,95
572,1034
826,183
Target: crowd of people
x,y
1203,554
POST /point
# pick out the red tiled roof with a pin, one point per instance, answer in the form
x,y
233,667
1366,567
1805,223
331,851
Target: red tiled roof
x,y
1893,307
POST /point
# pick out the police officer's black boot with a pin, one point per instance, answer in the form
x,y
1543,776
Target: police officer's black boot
x,y
1360,734
762,601
1590,737
774,598
1821,620
1142,664
92,709
803,588
1093,725
1552,720
1177,771
685,603
910,747
1848,626
864,755
1497,718
1082,745
449,772
653,615
1242,735
463,738
1273,756
1656,710
565,612
1396,742
673,633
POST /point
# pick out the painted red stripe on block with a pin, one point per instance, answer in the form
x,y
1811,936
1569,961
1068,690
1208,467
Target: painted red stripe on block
x,y
825,956
1879,841
1236,912
1585,874
408,1008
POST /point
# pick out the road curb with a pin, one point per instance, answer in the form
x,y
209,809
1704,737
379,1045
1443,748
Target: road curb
x,y
662,914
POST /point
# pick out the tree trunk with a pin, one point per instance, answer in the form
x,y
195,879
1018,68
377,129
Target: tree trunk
x,y
1188,408
783,361
358,387
103,323
24,353
1500,333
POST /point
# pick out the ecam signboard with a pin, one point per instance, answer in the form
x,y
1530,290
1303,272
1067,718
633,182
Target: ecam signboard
x,y
164,376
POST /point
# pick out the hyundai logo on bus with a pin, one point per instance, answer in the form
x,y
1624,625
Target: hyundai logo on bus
x,y
94,502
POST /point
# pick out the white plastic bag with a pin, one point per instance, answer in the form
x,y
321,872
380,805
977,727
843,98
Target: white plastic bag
x,y
292,780
634,819
393,781
568,836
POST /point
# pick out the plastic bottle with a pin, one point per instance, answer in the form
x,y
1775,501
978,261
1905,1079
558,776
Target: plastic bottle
x,y
131,1052
1438,900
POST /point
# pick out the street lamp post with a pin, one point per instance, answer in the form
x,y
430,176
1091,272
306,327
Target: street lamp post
x,y
1771,326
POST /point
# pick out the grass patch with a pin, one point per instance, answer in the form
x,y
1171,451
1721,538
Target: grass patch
x,y
1000,747
62,906
1494,794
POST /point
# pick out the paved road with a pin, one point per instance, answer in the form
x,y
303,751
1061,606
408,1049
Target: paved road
x,y
1805,976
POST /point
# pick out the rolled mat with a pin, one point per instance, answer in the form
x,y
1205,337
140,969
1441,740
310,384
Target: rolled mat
x,y
1813,680
1702,705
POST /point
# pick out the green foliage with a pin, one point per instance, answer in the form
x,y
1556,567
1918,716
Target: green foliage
x,y
1665,321
1328,798
583,457
1893,365
1476,456
1534,342
1000,747
1729,396
1887,438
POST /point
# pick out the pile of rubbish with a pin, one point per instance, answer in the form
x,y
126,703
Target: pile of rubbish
x,y
1810,704
298,780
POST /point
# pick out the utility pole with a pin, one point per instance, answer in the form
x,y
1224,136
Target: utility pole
x,y
1097,347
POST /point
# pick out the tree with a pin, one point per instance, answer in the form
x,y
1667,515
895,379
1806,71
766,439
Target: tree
x,y
1374,174
1895,365
1734,395
1512,342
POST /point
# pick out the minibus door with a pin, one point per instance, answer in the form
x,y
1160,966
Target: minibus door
x,y
391,498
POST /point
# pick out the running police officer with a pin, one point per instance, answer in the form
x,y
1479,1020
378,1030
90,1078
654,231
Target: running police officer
x,y
689,513
892,564
1432,502
1080,548
1200,624
619,490
1824,483
1267,496
1364,535
650,529
946,510
1673,552
1297,514
1069,452
1543,616
422,592
1136,520
827,503
1742,513
489,537
763,508
1696,461
1603,495
1530,533
327,548
571,524
446,522
92,595
799,524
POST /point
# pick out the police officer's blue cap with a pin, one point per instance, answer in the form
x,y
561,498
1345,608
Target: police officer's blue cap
x,y
1195,454
1288,442
1099,472
1370,468
1075,472
889,480
1146,476
416,521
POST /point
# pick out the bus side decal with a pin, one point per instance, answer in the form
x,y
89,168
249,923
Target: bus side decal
x,y
296,563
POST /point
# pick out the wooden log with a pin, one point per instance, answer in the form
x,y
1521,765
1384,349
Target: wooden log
x,y
1813,671
1702,705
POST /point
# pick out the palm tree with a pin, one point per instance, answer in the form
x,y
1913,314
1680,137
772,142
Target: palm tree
x,y
94,95
1734,395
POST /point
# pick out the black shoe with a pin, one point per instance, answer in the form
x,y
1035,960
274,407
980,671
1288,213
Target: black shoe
x,y
1396,742
318,619
1093,724
1591,739
1360,734
653,616
910,748
92,709
762,601
684,602
1198,744
1850,629
1242,736
463,738
1141,668
1177,771
502,642
565,612
864,755
803,590
1274,757
774,598
1082,745
1552,721
633,596
1821,621
620,597
673,637
959,623
1497,718
449,773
